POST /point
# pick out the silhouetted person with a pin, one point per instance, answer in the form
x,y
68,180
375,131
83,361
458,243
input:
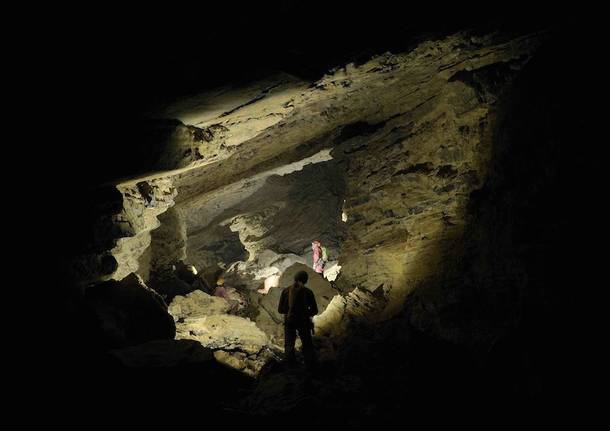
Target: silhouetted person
x,y
298,305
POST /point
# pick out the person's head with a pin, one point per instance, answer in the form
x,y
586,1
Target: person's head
x,y
220,281
301,277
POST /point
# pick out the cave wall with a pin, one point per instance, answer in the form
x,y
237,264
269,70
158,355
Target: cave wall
x,y
503,287
408,186
500,320
413,184
484,233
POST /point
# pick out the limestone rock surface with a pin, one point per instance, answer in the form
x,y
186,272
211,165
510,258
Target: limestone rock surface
x,y
236,341
197,304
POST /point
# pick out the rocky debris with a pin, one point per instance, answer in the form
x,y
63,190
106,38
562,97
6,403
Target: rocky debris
x,y
236,341
127,312
197,304
163,353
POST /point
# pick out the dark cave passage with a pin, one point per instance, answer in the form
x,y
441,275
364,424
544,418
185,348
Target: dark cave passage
x,y
441,181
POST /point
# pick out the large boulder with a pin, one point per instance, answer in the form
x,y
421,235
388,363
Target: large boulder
x,y
236,341
197,304
127,312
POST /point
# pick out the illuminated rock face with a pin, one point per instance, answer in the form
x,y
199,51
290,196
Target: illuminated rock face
x,y
409,181
236,341
197,304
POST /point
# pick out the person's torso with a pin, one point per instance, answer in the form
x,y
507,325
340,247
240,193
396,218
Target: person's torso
x,y
298,305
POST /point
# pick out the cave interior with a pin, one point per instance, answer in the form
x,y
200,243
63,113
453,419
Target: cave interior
x,y
440,163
